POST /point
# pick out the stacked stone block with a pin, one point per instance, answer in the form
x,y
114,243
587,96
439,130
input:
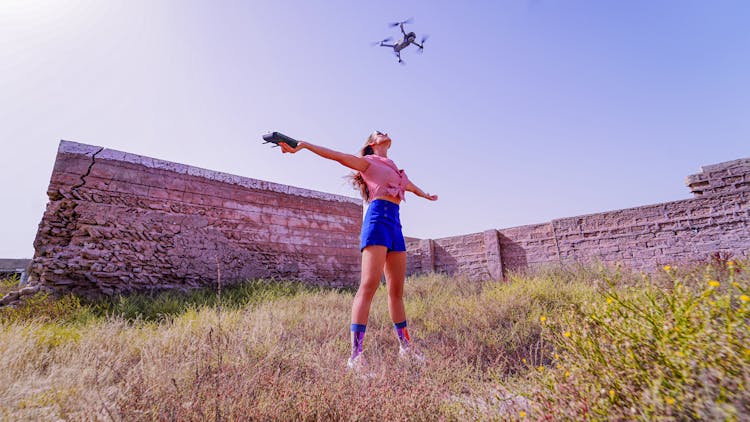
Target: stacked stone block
x,y
422,256
721,178
118,222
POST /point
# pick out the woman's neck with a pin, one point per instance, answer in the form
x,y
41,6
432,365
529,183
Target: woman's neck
x,y
380,152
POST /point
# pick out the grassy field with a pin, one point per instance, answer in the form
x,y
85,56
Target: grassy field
x,y
575,344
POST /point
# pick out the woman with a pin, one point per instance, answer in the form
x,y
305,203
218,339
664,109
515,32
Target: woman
x,y
382,244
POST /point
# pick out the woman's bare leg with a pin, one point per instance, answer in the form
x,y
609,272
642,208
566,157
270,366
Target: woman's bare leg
x,y
395,273
373,260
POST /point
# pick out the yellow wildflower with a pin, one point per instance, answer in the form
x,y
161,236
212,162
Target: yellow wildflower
x,y
667,268
556,356
540,368
610,300
730,264
714,283
542,318
612,394
669,400
566,334
736,284
522,414
745,298
567,374
523,360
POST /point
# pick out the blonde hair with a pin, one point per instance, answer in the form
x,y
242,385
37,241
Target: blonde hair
x,y
356,178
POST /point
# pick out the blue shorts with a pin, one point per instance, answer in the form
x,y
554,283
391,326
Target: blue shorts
x,y
382,226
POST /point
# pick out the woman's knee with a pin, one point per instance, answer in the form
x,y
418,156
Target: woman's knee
x,y
367,290
396,292
395,296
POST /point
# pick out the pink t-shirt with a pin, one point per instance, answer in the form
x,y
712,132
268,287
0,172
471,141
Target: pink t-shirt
x,y
384,178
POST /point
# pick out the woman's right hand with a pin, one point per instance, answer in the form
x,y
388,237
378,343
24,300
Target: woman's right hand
x,y
288,148
348,160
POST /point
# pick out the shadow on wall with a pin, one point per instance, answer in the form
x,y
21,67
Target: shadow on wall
x,y
512,255
445,262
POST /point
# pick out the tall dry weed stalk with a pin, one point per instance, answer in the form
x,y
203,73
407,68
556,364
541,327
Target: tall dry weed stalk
x,y
219,342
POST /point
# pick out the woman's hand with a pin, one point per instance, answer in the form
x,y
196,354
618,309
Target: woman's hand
x,y
411,187
287,148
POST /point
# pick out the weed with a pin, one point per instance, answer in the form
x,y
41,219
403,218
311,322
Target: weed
x,y
648,353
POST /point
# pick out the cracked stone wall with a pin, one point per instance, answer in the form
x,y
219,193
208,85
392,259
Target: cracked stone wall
x,y
119,222
717,219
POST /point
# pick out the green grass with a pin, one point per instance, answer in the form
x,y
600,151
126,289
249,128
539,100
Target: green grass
x,y
8,284
155,307
586,343
146,307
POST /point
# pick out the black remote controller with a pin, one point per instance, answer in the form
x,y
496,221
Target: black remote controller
x,y
278,137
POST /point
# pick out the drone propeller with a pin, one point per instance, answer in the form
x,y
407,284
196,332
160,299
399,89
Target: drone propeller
x,y
381,41
421,49
392,24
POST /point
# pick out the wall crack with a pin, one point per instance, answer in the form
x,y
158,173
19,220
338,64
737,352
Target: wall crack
x,y
88,171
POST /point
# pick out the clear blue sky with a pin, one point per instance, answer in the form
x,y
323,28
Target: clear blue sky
x,y
518,112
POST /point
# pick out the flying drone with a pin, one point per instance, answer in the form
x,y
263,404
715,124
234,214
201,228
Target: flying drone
x,y
407,39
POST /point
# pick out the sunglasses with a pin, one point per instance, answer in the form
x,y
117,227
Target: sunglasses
x,y
377,132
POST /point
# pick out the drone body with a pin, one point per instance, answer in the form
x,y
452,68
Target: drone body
x,y
406,40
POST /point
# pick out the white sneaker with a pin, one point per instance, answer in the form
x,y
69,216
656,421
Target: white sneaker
x,y
356,364
410,354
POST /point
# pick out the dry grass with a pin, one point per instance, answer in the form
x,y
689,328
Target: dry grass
x,y
283,357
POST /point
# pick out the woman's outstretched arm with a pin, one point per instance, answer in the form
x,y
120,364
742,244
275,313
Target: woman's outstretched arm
x,y
411,187
348,160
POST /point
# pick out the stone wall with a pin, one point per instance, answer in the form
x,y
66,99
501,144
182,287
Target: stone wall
x,y
118,222
642,238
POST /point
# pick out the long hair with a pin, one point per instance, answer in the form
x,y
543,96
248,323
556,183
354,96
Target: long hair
x,y
356,178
